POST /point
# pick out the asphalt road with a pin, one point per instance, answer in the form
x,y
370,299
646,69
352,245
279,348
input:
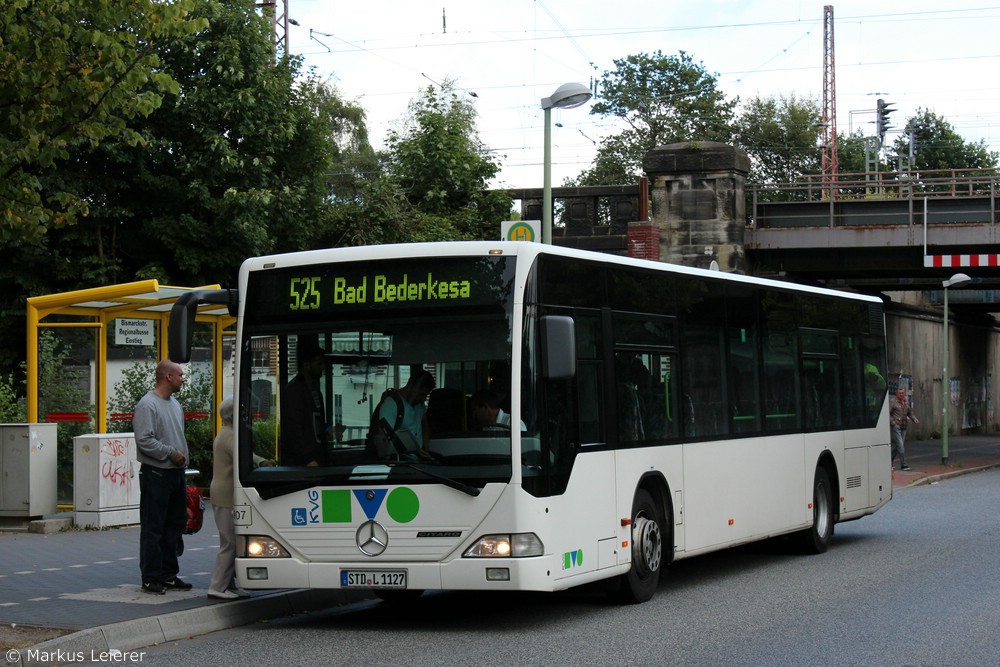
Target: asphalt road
x,y
915,584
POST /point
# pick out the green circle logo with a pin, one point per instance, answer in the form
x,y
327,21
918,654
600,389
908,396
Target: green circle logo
x,y
521,232
402,505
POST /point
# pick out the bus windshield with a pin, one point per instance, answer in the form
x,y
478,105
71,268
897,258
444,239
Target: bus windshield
x,y
364,373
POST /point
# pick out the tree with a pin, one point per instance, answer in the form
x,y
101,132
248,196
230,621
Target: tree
x,y
72,74
241,161
443,168
851,152
659,99
243,157
938,146
780,135
12,408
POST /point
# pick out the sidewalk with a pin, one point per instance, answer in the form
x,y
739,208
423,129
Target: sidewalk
x,y
86,582
966,453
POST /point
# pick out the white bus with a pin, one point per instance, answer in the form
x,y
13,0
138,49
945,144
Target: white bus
x,y
663,412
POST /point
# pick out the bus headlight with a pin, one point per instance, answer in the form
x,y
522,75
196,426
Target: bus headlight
x,y
511,545
261,546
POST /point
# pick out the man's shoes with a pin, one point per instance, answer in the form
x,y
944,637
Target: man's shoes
x,y
153,588
904,467
240,592
176,584
222,595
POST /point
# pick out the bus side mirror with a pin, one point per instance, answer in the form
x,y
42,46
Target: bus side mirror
x,y
558,347
180,330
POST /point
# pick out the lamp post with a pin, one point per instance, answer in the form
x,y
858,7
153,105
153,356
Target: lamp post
x,y
957,279
567,96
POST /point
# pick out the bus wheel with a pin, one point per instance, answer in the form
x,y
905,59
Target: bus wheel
x,y
639,584
816,538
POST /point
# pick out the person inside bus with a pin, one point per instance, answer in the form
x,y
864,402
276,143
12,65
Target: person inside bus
x,y
875,386
303,415
414,394
634,392
446,411
486,413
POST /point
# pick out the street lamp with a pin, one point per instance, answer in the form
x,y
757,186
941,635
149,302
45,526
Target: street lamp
x,y
955,280
567,96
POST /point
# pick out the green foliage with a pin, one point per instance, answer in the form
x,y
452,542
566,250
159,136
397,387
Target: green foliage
x,y
264,438
938,146
443,170
780,135
659,99
71,77
851,153
243,157
12,408
61,386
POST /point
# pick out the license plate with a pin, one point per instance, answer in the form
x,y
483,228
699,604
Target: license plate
x,y
373,578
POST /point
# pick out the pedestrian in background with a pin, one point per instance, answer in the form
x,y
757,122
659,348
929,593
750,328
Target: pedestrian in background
x,y
900,413
162,451
223,585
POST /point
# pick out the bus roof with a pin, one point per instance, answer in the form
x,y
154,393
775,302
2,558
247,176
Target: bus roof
x,y
528,250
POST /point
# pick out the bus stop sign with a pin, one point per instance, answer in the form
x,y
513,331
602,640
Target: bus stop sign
x,y
520,230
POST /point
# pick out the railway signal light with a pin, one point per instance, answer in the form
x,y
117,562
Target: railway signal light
x,y
882,119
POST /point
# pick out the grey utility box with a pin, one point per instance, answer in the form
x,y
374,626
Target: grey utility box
x,y
105,480
28,470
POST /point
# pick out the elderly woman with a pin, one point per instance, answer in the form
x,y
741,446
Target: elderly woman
x,y
223,585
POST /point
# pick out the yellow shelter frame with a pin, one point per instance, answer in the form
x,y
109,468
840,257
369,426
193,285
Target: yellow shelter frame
x,y
95,308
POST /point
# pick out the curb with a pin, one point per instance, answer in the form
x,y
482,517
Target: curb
x,y
113,642
933,479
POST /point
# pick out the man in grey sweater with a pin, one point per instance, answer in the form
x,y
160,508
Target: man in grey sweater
x,y
162,451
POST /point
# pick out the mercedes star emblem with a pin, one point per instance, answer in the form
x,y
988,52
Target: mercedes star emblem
x,y
372,538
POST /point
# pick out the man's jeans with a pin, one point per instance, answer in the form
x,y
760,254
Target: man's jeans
x,y
898,439
162,517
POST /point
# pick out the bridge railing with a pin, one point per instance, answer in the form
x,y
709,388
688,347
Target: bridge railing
x,y
887,198
883,185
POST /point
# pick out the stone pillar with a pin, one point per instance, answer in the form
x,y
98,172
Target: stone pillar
x,y
698,203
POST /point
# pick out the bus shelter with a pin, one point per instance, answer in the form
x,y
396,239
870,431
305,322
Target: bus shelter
x,y
98,308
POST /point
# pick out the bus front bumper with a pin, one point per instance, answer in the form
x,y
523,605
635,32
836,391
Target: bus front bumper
x,y
542,573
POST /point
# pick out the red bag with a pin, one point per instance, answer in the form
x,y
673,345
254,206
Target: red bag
x,y
195,510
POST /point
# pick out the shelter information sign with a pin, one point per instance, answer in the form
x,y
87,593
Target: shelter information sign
x,y
134,332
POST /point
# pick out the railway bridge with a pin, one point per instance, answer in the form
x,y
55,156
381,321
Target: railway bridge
x,y
898,235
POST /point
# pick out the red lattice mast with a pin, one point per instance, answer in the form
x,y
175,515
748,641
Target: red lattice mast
x,y
829,162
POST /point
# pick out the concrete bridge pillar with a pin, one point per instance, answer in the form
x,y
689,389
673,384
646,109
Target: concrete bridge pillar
x,y
698,203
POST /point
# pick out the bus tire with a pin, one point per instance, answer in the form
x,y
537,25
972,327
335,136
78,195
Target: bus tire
x,y
816,538
640,582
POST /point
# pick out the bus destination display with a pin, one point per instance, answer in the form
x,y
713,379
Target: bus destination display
x,y
336,287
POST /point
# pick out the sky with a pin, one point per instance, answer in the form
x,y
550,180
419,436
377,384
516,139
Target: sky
x,y
506,55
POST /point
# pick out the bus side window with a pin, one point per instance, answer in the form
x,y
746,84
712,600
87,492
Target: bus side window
x,y
589,389
633,386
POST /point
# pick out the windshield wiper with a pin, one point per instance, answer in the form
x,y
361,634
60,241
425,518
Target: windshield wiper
x,y
447,481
